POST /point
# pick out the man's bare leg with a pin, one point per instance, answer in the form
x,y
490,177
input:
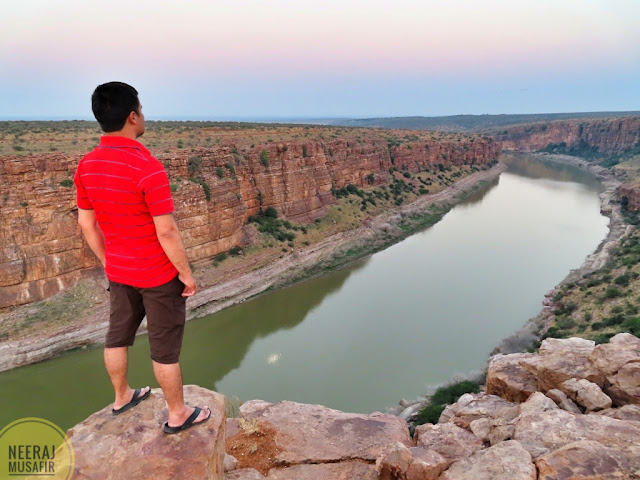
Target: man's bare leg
x,y
169,378
116,361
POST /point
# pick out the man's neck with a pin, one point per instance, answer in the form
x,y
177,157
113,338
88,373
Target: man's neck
x,y
122,133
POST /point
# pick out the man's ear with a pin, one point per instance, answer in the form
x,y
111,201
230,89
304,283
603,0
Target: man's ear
x,y
133,117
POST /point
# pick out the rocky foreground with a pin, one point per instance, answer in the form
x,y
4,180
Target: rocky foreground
x,y
571,411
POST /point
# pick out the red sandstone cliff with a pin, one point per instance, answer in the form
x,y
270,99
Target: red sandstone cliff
x,y
609,136
41,250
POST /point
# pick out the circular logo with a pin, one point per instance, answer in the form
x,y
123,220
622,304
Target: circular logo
x,y
35,448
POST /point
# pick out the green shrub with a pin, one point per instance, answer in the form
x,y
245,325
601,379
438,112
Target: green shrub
x,y
429,414
194,164
623,280
612,292
444,396
67,182
235,251
271,212
264,158
603,338
570,306
565,323
205,187
451,393
220,172
632,325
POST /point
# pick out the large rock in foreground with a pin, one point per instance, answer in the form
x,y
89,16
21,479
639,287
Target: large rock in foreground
x,y
504,461
132,445
293,434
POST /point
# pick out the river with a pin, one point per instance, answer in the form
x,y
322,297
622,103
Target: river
x,y
386,327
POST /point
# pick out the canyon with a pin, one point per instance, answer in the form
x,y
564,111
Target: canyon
x,y
41,249
608,136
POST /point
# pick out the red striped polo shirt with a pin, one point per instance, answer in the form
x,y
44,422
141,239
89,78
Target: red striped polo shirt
x,y
127,187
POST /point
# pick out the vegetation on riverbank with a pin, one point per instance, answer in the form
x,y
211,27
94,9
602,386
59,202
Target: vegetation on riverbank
x,y
606,301
442,397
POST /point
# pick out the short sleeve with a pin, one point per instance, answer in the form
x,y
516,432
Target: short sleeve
x,y
81,194
154,186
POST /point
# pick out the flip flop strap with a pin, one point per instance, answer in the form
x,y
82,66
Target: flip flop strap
x,y
192,417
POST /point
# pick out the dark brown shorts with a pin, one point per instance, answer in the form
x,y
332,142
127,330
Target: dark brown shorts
x,y
165,308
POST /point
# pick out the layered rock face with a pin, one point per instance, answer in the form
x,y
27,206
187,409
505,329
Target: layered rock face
x,y
609,136
578,429
41,249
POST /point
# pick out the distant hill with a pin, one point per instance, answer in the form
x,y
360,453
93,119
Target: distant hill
x,y
464,123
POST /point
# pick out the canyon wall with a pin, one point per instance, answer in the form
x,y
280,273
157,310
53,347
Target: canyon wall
x,y
42,251
608,136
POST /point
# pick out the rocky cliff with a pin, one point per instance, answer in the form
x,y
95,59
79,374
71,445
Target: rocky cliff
x,y
215,189
571,411
603,136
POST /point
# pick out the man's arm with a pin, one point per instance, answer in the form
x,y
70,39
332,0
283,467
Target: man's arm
x,y
92,232
171,242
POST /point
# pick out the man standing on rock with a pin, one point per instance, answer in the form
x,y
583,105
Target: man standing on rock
x,y
125,211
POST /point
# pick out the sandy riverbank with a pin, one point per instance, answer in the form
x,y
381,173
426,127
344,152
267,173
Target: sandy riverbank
x,y
375,234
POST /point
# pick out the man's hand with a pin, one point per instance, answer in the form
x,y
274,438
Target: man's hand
x,y
189,284
171,242
92,233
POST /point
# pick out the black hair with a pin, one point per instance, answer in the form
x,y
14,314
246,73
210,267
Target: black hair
x,y
112,103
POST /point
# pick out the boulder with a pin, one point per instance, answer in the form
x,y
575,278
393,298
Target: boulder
x,y
230,462
626,412
543,432
589,460
472,406
563,401
492,430
561,359
586,393
508,379
504,461
618,365
608,358
537,403
244,474
449,440
133,445
394,463
624,386
426,465
309,433
347,470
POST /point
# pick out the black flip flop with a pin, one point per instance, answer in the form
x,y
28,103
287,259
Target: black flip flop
x,y
134,401
189,422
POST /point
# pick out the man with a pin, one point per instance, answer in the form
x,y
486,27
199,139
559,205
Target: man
x,y
125,211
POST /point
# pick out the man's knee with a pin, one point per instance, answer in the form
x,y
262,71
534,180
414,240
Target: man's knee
x,y
166,358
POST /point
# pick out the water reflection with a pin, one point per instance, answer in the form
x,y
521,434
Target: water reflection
x,y
538,167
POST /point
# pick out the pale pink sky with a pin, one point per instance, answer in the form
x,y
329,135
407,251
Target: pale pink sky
x,y
360,58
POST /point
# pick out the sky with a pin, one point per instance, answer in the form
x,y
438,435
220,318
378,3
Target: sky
x,y
239,59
